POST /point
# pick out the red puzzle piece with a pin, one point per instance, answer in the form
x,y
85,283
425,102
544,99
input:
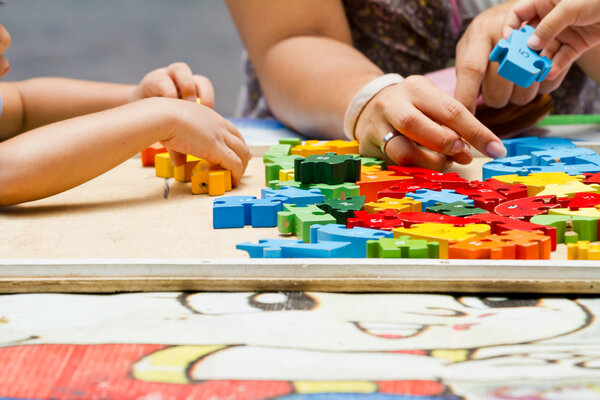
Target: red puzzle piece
x,y
373,182
511,192
527,207
483,196
450,180
385,220
409,218
583,200
593,178
400,189
501,224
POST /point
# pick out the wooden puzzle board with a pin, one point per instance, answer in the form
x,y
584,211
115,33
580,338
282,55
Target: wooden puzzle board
x,y
119,233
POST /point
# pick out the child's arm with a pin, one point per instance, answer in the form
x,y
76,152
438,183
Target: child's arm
x,y
53,158
566,29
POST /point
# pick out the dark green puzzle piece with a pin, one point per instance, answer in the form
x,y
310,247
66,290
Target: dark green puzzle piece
x,y
456,209
329,168
342,209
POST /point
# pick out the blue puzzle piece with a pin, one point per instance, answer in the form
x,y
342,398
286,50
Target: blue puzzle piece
x,y
568,156
527,145
522,166
238,211
357,236
518,63
290,248
232,211
299,197
430,198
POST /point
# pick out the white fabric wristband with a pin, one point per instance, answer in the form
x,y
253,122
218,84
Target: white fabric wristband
x,y
362,97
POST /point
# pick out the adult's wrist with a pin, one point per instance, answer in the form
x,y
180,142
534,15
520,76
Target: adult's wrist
x,y
362,98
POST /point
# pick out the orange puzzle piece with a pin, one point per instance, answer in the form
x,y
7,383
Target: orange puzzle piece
x,y
147,155
210,179
509,245
371,183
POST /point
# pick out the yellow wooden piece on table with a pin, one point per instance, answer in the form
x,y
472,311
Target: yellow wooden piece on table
x,y
343,146
537,181
583,250
309,148
368,169
405,204
286,175
582,212
183,173
444,234
163,166
210,179
569,189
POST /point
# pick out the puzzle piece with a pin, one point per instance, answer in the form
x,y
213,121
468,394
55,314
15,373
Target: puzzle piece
x,y
286,175
385,220
277,150
527,145
449,180
527,207
570,228
484,196
310,148
399,190
536,182
430,198
366,169
183,173
582,212
341,210
399,205
147,155
290,248
298,220
569,189
444,234
410,218
565,155
163,167
510,191
291,141
341,191
275,163
329,168
295,196
358,236
512,244
500,224
238,211
402,247
584,200
524,165
456,209
210,179
583,250
343,146
371,162
371,183
518,63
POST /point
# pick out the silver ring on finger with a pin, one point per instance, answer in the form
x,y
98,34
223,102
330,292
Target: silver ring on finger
x,y
388,136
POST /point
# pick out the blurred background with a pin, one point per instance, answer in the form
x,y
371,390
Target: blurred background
x,y
122,40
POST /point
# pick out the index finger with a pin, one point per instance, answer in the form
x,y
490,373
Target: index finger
x,y
471,66
521,12
181,74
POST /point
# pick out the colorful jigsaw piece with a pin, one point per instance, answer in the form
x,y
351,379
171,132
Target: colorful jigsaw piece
x,y
275,163
449,180
456,209
183,173
399,205
329,168
385,220
341,210
583,250
512,244
371,183
570,228
569,189
400,189
358,237
290,248
163,167
238,211
519,63
527,207
510,191
297,220
295,196
210,179
430,198
147,155
536,182
483,196
444,234
584,200
402,247
410,218
527,145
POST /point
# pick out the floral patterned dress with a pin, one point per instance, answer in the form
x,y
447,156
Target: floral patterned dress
x,y
415,37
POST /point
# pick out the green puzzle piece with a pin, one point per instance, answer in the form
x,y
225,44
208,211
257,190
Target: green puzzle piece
x,y
275,163
298,220
582,228
369,161
329,168
329,191
291,141
456,209
277,150
340,209
402,247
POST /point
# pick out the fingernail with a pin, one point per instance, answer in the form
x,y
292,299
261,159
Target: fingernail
x,y
191,98
457,147
466,148
534,41
495,150
506,32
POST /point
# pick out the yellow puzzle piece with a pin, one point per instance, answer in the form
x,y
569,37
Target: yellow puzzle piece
x,y
583,250
286,175
568,189
444,234
210,179
582,212
537,181
368,169
183,173
405,204
163,166
312,147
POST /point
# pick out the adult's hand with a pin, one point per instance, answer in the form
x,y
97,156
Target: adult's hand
x,y
435,128
477,75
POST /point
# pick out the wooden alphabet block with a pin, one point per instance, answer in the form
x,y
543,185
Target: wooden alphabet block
x,y
163,166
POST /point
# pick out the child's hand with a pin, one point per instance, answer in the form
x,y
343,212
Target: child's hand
x,y
566,29
202,132
4,44
175,81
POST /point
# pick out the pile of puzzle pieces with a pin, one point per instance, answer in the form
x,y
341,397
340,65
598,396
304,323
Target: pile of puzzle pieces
x,y
337,204
205,177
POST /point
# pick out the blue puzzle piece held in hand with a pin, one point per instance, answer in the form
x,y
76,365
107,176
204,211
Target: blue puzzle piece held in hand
x,y
518,63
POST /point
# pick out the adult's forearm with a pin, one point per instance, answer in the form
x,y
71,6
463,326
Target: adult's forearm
x,y
309,82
